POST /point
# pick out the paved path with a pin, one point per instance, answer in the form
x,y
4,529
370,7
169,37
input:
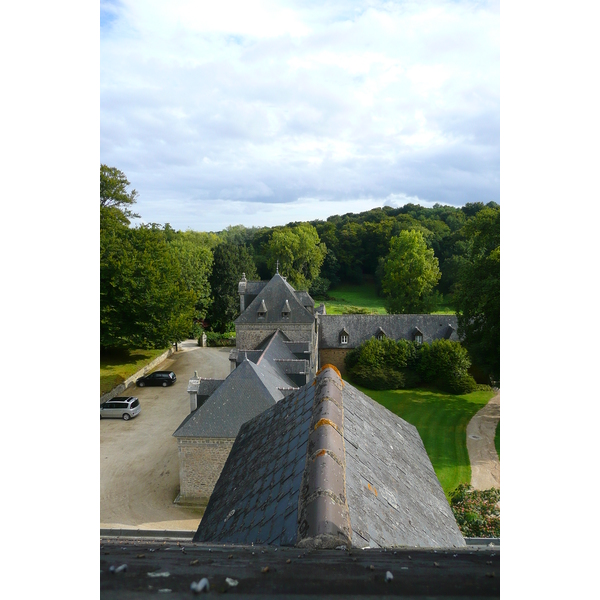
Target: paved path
x,y
485,464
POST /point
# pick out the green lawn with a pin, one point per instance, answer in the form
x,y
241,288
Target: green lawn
x,y
441,420
348,297
116,367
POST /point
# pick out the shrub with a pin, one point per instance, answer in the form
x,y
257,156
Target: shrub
x,y
476,512
219,339
383,364
482,387
356,310
377,378
319,287
446,364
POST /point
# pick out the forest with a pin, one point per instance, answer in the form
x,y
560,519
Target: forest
x,y
159,285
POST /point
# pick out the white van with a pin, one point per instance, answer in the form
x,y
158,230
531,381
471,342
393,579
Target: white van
x,y
121,407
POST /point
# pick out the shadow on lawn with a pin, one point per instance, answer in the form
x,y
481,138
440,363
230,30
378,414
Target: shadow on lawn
x,y
114,358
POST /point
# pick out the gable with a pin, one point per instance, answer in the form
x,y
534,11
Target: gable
x,y
268,305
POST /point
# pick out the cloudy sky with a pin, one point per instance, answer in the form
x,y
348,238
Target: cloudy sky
x,y
266,112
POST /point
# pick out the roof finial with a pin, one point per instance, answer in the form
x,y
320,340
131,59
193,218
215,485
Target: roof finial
x,y
277,268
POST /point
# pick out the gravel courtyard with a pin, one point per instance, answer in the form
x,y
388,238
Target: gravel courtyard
x,y
139,466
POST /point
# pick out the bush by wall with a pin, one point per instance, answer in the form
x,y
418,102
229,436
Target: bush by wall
x,y
476,512
219,339
389,364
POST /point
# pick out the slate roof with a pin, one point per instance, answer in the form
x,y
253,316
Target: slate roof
x,y
273,296
361,328
248,390
279,351
329,467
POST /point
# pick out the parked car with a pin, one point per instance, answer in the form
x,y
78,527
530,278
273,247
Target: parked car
x,y
163,378
121,407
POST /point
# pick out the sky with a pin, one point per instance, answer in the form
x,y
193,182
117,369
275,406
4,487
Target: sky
x,y
267,112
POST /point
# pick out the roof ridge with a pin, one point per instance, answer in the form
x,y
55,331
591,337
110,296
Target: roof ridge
x,y
323,515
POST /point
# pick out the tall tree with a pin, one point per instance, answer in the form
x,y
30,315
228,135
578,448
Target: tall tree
x,y
114,193
477,296
300,254
411,272
144,301
229,262
195,261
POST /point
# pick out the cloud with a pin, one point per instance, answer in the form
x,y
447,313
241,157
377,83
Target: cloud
x,y
271,102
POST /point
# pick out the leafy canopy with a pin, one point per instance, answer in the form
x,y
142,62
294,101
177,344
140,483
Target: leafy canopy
x,y
411,271
113,191
477,296
300,253
230,261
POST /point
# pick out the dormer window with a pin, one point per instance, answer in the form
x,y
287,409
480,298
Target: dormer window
x,y
344,337
418,336
262,310
380,334
286,310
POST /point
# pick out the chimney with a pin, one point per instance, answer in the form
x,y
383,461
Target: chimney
x,y
242,292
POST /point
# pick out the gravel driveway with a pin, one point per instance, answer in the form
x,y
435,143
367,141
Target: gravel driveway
x,y
139,466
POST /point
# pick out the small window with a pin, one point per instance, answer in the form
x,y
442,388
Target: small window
x,y
344,338
419,338
261,315
380,336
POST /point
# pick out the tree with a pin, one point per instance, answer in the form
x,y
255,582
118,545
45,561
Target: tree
x,y
195,261
411,272
299,252
229,262
113,192
477,296
144,302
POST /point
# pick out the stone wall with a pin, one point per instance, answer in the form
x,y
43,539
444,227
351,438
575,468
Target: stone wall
x,y
335,357
201,461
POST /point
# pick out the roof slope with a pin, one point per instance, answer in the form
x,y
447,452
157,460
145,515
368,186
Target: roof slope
x,y
361,328
248,390
274,294
330,467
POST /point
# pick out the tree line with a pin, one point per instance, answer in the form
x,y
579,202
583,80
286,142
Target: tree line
x,y
156,282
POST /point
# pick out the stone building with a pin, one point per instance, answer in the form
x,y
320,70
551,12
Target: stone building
x,y
281,339
338,334
206,435
266,307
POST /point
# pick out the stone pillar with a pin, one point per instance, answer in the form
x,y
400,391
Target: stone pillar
x,y
242,292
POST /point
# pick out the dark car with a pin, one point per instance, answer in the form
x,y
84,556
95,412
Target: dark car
x,y
163,378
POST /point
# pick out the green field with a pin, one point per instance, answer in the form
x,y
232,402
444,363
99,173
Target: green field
x,y
116,367
347,298
441,420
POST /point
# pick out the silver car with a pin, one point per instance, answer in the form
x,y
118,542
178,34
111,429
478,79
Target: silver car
x,y
121,407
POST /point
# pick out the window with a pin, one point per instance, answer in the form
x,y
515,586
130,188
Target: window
x,y
418,338
344,338
262,310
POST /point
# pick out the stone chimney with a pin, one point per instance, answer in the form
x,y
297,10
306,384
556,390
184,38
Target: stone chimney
x,y
242,292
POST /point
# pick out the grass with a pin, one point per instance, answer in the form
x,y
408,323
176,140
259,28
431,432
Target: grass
x,y
117,366
348,298
441,420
